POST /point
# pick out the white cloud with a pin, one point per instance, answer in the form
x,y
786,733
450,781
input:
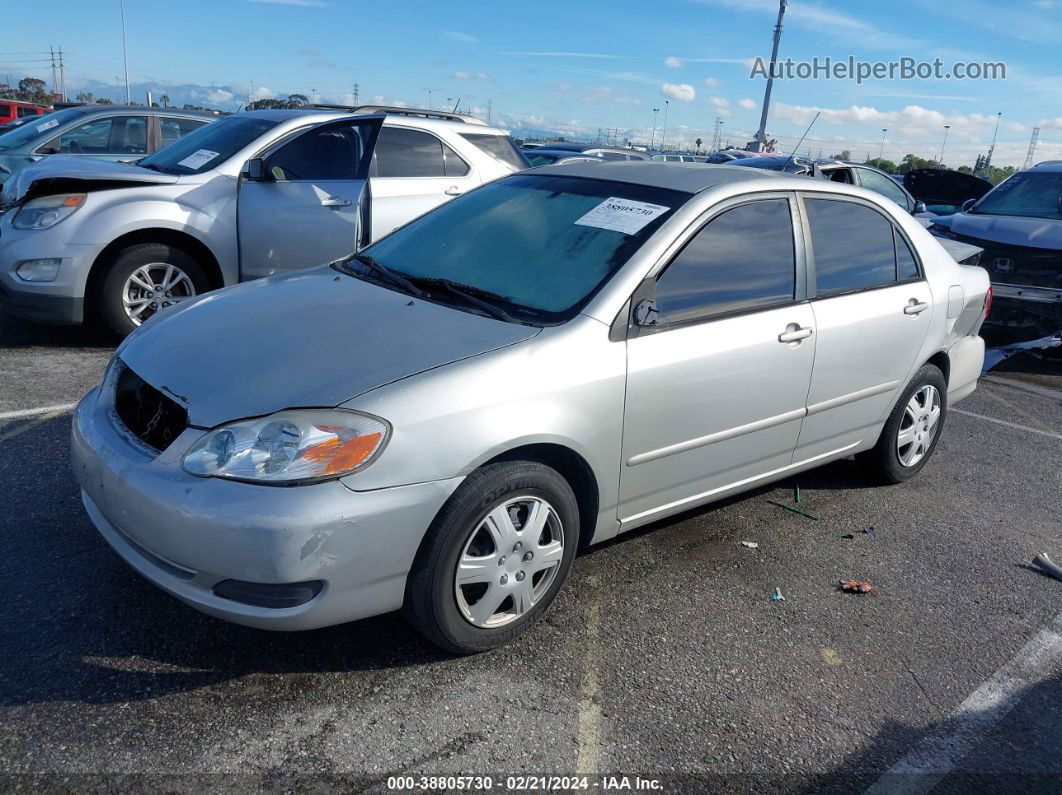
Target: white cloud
x,y
722,105
261,92
471,76
711,82
681,92
747,104
218,96
673,62
456,35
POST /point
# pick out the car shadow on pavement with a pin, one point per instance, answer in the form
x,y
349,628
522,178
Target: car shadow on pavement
x,y
18,333
1017,753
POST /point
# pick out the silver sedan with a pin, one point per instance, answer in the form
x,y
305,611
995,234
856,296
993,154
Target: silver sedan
x,y
440,422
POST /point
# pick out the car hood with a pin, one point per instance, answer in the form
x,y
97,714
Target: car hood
x,y
1007,229
937,186
10,163
74,171
311,338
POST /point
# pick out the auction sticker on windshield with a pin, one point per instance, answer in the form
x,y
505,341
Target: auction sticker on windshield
x,y
622,215
198,159
47,125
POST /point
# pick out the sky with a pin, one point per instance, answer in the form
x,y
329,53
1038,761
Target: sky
x,y
583,66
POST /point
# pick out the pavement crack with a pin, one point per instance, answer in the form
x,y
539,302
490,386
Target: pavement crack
x,y
917,681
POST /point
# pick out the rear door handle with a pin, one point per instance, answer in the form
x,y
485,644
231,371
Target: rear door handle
x,y
335,201
453,190
914,307
795,333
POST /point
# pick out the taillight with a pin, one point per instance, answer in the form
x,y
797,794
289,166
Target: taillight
x,y
988,301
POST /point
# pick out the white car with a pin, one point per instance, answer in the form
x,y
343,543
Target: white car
x,y
248,196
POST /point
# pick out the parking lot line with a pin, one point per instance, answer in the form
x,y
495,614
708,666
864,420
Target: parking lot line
x,y
1049,434
23,413
939,753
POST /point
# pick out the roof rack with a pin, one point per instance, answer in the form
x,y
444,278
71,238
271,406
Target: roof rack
x,y
397,111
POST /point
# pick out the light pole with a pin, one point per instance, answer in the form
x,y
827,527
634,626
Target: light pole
x,y
882,147
940,160
761,133
663,132
652,142
125,56
992,148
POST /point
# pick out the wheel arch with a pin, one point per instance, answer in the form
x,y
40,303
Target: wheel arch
x,y
170,237
942,362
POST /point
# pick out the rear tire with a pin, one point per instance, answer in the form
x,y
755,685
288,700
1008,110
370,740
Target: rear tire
x,y
494,558
912,431
125,300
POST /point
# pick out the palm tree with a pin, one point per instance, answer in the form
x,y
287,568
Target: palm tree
x,y
165,100
699,142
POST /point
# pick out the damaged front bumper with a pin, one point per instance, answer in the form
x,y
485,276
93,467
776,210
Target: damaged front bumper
x,y
275,558
1019,306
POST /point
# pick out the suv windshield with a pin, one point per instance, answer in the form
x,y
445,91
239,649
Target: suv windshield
x,y
1026,194
31,130
537,247
209,146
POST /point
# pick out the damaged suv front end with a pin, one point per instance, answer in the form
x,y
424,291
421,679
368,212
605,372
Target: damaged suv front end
x,y
1019,227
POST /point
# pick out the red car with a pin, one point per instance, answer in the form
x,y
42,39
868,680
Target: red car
x,y
11,109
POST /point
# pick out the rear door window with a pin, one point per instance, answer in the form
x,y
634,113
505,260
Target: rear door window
x,y
852,244
743,259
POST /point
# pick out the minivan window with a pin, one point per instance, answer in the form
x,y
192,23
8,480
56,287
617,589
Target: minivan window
x,y
175,128
500,147
212,144
853,246
539,245
402,152
107,135
740,260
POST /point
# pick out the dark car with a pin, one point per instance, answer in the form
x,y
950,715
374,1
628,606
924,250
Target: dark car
x,y
606,152
944,191
541,156
1019,225
790,165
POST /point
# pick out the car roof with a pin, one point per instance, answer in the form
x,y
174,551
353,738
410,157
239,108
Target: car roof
x,y
1048,165
569,146
688,177
391,120
95,110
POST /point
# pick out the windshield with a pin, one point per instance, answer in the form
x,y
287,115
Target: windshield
x,y
537,246
209,146
545,158
1026,194
31,130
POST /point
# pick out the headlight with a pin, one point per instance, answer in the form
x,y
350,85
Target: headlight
x,y
289,447
47,211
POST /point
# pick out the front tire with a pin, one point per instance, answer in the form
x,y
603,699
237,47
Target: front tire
x,y
494,558
913,429
145,279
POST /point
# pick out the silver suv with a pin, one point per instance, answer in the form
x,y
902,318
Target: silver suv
x,y
248,196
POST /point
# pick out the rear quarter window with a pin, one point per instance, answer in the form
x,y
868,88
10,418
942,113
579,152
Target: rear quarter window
x,y
500,147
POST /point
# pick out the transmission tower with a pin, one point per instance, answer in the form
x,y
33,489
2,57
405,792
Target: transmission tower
x,y
1032,148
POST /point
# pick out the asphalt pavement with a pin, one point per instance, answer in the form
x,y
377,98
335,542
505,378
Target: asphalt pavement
x,y
664,656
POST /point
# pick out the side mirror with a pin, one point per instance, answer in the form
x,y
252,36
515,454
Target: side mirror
x,y
920,207
966,205
255,170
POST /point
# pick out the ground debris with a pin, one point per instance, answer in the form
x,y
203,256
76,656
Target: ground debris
x,y
1049,566
858,586
750,544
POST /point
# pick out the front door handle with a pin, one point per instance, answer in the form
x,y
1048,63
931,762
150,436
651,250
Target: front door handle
x,y
914,307
453,190
335,201
795,333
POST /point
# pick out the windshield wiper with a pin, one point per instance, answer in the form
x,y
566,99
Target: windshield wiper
x,y
389,275
471,295
153,167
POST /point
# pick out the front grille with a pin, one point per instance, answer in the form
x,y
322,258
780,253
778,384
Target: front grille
x,y
1009,264
147,413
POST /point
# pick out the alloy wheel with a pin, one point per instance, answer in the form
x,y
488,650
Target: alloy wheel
x,y
918,428
153,287
509,561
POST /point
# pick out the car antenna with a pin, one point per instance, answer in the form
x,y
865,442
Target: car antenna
x,y
797,147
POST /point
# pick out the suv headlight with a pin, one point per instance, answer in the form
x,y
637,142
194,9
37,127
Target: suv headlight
x,y
289,447
47,211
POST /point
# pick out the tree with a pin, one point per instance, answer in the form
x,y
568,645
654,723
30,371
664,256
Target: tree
x,y
86,97
845,155
698,142
964,170
273,103
104,101
165,100
32,89
883,164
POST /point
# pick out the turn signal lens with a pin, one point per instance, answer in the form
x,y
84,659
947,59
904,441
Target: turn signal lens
x,y
290,447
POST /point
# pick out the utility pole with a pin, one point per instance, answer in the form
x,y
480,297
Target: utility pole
x,y
1032,148
882,147
62,76
652,142
355,95
717,136
313,96
940,160
429,90
55,81
992,148
761,133
663,132
125,55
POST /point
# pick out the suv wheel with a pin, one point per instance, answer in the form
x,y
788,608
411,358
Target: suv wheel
x,y
494,558
145,279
